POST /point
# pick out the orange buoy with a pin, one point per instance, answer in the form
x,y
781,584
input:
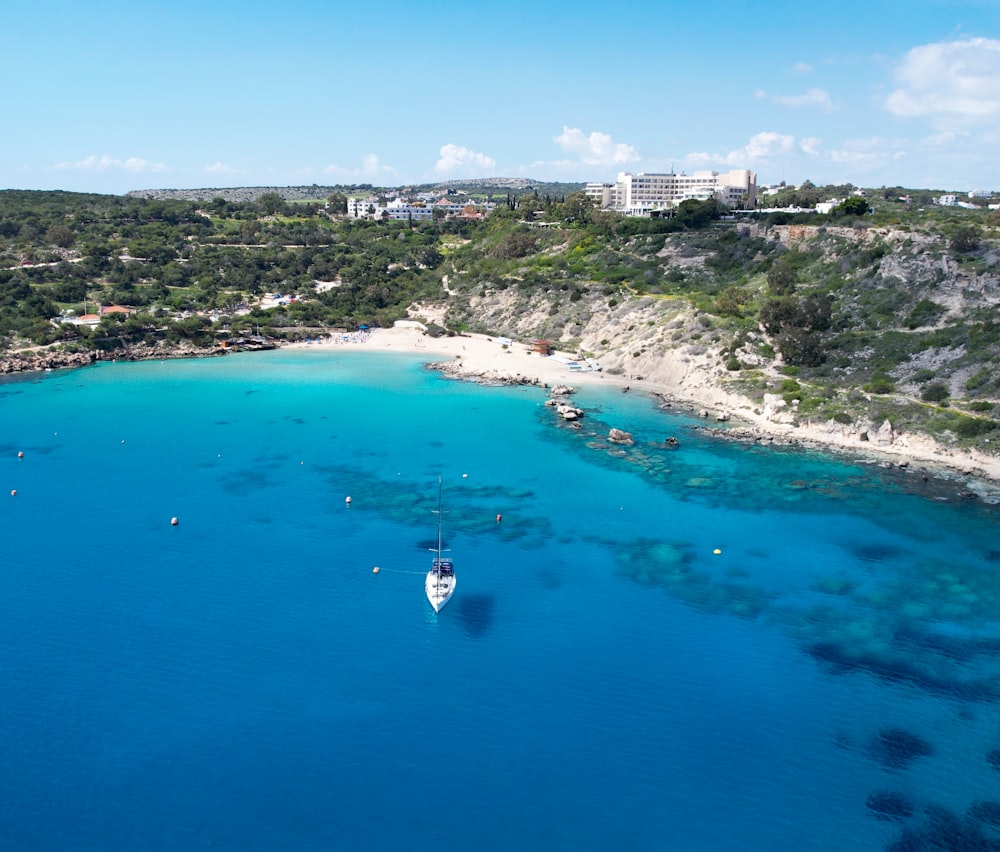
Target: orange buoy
x,y
375,569
174,522
499,518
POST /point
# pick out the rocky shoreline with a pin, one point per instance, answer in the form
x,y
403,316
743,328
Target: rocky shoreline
x,y
34,362
975,480
929,480
491,378
40,360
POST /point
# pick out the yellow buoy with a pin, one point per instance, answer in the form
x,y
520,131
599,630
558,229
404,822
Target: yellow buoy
x,y
716,551
375,569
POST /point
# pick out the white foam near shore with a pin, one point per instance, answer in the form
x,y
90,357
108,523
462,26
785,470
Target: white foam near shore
x,y
477,355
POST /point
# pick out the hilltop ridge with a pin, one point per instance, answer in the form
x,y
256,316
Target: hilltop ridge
x,y
314,192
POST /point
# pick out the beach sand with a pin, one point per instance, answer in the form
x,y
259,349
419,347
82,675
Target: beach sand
x,y
484,358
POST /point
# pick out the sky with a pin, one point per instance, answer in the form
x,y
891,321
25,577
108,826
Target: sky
x,y
109,96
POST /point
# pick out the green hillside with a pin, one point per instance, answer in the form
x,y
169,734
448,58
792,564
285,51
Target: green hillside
x,y
885,309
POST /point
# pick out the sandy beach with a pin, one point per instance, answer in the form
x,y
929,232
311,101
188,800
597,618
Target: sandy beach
x,y
484,358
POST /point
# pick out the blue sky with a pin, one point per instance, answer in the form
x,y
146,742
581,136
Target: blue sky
x,y
108,96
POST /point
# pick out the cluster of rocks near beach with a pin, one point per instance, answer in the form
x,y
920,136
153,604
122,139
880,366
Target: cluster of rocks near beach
x,y
23,362
39,360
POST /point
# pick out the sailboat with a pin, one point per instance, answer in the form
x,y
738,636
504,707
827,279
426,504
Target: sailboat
x,y
440,581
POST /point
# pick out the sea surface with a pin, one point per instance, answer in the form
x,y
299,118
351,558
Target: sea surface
x,y
707,646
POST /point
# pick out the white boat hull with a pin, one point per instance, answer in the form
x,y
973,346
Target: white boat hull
x,y
439,590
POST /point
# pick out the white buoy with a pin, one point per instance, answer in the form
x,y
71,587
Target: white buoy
x,y
20,455
13,492
465,476
347,500
375,570
174,522
716,551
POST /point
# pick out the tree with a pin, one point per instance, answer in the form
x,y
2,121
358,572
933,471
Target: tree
x,y
935,392
578,207
271,203
855,206
965,240
800,348
338,203
60,235
782,278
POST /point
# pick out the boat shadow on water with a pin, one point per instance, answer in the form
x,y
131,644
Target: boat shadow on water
x,y
475,613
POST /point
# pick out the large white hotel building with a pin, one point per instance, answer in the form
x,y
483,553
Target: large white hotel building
x,y
642,194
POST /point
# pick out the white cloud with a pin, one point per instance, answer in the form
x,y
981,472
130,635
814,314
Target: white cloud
x,y
106,163
802,68
954,80
456,158
863,154
371,166
813,98
597,149
810,144
760,147
218,168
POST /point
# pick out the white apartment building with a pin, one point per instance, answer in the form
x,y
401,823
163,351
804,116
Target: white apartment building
x,y
371,208
639,195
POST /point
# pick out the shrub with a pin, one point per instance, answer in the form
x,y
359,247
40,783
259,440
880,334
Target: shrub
x,y
971,427
978,380
924,312
965,240
935,392
880,384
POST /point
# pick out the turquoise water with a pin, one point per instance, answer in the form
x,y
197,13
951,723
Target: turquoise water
x,y
601,680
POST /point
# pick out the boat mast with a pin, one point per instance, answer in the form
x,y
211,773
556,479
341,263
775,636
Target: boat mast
x,y
437,583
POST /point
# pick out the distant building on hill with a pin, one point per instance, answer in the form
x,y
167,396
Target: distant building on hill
x,y
642,194
417,210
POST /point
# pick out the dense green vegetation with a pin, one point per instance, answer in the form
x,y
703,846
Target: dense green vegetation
x,y
883,306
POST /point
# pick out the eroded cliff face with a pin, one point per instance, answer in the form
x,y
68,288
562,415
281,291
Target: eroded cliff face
x,y
903,306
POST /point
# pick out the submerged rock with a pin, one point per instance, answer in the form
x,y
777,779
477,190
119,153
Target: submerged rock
x,y
986,812
893,807
894,748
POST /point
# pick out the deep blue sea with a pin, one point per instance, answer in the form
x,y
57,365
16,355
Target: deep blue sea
x,y
602,679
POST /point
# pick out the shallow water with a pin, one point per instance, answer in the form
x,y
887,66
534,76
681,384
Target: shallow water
x,y
601,679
